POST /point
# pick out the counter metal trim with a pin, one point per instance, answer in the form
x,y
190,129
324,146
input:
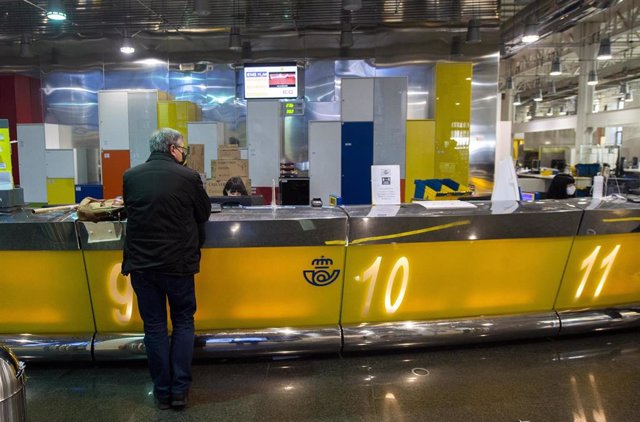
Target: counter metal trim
x,y
610,221
231,343
382,230
76,347
37,236
410,334
275,233
604,319
244,228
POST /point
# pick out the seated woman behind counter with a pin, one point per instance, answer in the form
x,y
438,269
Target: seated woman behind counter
x,y
562,186
234,187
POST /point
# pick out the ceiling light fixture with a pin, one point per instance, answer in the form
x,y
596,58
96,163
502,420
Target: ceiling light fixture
x,y
25,47
201,7
55,10
473,32
538,98
530,32
555,67
346,34
592,79
552,88
604,51
235,40
127,46
516,100
351,5
346,38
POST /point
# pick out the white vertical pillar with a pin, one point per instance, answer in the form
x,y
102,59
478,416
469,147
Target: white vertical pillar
x,y
587,55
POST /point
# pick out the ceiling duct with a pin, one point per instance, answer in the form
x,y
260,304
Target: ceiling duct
x,y
552,16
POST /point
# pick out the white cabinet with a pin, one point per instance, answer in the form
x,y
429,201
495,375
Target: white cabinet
x,y
264,136
357,100
128,118
32,161
324,160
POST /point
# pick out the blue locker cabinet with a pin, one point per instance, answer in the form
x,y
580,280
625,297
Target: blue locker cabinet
x,y
357,158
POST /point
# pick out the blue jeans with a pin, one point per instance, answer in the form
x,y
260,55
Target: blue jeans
x,y
169,359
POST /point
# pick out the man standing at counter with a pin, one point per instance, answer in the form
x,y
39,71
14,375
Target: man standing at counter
x,y
166,208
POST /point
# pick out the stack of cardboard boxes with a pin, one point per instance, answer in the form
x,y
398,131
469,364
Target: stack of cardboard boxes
x,y
228,165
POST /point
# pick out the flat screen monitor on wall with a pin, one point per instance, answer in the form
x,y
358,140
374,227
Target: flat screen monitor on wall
x,y
270,80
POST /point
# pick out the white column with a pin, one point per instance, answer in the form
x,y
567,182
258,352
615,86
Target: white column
x,y
584,106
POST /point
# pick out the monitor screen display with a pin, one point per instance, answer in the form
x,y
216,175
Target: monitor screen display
x,y
271,80
237,201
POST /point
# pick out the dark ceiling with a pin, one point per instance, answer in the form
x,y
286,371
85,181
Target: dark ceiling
x,y
173,30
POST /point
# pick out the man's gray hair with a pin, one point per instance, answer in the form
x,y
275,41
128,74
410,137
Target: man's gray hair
x,y
163,138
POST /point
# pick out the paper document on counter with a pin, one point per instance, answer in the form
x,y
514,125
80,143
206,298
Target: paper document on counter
x,y
441,205
384,211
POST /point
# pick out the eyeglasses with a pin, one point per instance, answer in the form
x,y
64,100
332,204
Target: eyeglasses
x,y
185,149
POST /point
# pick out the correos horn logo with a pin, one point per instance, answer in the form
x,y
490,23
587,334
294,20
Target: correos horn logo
x,y
321,275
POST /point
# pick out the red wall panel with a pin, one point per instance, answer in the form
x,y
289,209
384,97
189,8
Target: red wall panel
x,y
114,164
20,102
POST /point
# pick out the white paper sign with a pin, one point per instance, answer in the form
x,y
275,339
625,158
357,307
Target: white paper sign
x,y
441,205
384,211
385,185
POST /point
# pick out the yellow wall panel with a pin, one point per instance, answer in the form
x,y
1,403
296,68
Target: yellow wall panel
x,y
425,281
61,191
601,271
420,154
44,292
5,154
176,115
453,121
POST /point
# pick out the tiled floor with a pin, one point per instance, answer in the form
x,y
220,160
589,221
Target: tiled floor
x,y
579,379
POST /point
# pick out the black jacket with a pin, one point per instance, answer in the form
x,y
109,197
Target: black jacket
x,y
166,208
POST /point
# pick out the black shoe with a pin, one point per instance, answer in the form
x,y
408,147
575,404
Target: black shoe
x,y
179,399
164,403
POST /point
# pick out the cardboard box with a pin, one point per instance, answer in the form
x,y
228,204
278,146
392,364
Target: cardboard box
x,y
228,152
216,187
196,157
225,169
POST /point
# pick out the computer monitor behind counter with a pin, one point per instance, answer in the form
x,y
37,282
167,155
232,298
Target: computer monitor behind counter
x,y
237,201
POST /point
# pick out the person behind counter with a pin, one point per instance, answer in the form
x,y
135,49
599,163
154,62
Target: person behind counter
x,y
562,186
166,204
235,187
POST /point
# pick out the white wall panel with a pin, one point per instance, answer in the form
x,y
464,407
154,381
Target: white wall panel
x,y
32,164
60,163
390,122
264,137
357,100
113,113
324,159
143,121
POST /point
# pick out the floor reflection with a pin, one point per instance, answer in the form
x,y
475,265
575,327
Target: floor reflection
x,y
580,379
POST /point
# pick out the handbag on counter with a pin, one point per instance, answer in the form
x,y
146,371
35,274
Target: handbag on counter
x,y
91,209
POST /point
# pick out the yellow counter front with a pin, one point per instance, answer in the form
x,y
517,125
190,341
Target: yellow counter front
x,y
295,280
